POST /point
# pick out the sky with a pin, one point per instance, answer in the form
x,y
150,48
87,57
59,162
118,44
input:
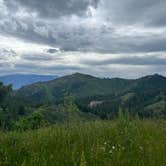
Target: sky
x,y
105,38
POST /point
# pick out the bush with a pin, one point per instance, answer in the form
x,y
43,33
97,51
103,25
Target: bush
x,y
34,121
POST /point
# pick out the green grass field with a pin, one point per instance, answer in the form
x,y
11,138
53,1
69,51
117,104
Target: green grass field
x,y
112,143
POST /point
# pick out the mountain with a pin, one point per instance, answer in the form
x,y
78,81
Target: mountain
x,y
83,86
76,85
101,97
20,80
79,97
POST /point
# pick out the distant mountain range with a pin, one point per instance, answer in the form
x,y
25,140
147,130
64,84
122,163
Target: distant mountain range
x,y
20,80
146,95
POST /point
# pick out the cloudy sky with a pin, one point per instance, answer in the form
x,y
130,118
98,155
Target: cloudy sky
x,y
107,38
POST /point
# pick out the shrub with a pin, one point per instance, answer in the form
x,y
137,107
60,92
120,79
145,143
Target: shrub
x,y
34,121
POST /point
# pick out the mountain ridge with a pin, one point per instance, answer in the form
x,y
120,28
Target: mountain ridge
x,y
83,85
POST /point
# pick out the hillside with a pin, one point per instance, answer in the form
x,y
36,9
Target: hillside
x,y
77,85
80,97
136,95
82,86
20,80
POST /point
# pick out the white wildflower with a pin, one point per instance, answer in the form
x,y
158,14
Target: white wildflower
x,y
113,147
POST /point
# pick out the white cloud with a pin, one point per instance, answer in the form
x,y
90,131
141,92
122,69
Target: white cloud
x,y
21,46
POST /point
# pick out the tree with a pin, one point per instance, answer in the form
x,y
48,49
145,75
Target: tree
x,y
33,121
4,91
5,117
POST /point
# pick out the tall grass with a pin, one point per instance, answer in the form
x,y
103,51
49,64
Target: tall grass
x,y
113,143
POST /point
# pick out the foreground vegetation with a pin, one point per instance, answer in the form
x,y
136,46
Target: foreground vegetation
x,y
120,142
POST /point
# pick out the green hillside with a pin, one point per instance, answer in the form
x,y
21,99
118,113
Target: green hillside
x,y
82,86
77,85
113,93
91,97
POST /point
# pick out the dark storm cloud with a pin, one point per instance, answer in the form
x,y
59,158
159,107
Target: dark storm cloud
x,y
62,67
28,31
134,60
52,50
7,51
48,68
148,12
54,8
37,57
76,34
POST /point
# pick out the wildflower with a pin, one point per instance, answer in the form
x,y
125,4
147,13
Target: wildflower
x,y
113,147
105,143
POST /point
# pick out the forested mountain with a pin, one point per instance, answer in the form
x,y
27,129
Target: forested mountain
x,y
83,97
76,85
20,80
86,86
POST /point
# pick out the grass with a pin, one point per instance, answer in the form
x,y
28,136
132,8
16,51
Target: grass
x,y
101,143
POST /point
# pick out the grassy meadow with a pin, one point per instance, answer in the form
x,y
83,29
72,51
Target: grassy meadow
x,y
120,142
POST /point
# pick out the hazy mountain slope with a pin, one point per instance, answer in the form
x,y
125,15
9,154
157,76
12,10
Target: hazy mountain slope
x,y
19,80
77,85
